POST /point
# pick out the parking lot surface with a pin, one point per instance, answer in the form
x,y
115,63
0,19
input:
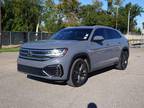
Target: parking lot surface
x,y
109,88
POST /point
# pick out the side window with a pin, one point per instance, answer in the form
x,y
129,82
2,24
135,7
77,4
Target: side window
x,y
117,34
112,34
99,32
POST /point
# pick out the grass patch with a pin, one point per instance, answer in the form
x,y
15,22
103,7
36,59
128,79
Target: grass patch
x,y
9,49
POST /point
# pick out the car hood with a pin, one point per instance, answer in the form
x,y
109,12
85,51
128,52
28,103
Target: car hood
x,y
49,44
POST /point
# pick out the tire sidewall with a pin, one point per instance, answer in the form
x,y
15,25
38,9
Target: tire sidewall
x,y
124,55
119,65
70,81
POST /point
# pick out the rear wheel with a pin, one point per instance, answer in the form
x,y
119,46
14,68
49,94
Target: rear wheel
x,y
123,62
78,73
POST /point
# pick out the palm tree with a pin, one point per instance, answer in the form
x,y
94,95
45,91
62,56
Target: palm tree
x,y
118,2
113,6
110,2
143,25
70,9
114,2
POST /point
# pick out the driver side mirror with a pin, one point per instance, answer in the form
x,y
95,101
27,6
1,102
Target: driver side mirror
x,y
98,38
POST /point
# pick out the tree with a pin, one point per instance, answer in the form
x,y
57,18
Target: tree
x,y
21,15
143,25
52,16
94,15
135,10
7,15
70,10
118,2
110,2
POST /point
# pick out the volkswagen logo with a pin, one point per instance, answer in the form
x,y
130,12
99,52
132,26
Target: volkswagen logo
x,y
29,53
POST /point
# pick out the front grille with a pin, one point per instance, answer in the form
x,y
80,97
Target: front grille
x,y
53,70
30,70
34,54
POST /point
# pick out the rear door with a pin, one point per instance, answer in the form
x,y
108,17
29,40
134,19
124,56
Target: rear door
x,y
113,42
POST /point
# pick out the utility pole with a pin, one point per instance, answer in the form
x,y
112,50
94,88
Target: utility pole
x,y
117,10
37,28
128,27
0,25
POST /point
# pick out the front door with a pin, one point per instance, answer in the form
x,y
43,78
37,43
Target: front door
x,y
100,51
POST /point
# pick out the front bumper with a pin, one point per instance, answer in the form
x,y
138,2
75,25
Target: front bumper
x,y
53,69
48,71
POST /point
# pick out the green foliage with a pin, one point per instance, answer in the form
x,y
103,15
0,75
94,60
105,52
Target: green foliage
x,y
137,30
50,17
23,15
7,16
118,2
70,10
123,16
9,49
94,15
20,15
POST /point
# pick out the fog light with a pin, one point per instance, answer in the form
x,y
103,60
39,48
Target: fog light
x,y
54,70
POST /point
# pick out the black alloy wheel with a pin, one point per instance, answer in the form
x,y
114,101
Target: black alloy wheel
x,y
123,62
79,73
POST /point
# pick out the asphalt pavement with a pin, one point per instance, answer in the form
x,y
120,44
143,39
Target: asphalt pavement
x,y
108,88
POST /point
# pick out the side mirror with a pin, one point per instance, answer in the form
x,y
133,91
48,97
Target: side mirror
x,y
98,38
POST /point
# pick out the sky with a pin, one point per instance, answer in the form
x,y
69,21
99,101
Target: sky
x,y
139,19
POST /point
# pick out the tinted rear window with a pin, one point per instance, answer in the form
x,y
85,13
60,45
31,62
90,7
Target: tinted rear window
x,y
112,34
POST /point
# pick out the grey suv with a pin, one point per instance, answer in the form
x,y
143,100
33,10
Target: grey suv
x,y
71,53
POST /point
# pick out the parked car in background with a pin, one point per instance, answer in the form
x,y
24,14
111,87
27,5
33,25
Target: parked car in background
x,y
73,52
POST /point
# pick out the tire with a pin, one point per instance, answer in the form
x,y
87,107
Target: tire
x,y
123,61
78,73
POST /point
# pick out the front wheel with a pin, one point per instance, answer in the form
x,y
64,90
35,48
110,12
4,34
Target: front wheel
x,y
123,62
78,73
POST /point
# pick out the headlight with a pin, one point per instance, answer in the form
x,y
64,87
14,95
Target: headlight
x,y
57,52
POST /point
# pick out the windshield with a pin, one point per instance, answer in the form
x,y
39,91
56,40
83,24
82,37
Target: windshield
x,y
72,34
